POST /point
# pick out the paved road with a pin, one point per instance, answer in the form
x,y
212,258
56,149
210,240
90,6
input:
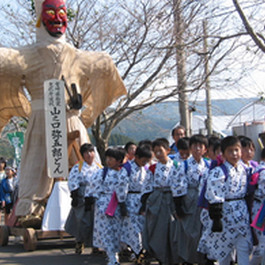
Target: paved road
x,y
49,252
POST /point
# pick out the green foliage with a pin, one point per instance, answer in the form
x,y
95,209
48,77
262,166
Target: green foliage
x,y
6,150
70,14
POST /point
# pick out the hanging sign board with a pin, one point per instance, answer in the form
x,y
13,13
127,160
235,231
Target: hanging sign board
x,y
56,131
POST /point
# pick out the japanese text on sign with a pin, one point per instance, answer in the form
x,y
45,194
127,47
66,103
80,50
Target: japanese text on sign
x,y
56,134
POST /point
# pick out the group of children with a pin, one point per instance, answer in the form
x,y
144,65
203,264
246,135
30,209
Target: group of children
x,y
147,201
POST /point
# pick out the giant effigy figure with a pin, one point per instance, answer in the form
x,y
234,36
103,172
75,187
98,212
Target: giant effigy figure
x,y
93,73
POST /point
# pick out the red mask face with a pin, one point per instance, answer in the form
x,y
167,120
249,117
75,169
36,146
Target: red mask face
x,y
54,17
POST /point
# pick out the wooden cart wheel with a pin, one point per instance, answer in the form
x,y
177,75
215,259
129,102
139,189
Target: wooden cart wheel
x,y
30,239
4,234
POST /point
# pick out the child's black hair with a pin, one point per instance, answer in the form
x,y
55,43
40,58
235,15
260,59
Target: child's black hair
x,y
213,140
229,141
86,148
183,143
216,146
143,151
161,142
145,142
2,160
117,153
199,139
127,146
246,141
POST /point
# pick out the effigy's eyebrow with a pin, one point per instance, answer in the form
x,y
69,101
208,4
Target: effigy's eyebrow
x,y
52,6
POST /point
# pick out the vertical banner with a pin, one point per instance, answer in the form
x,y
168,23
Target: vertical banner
x,y
56,131
16,139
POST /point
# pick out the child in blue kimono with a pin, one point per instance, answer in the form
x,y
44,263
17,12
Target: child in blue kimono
x,y
259,197
183,150
248,153
107,229
130,188
215,158
229,227
80,222
158,206
130,149
186,185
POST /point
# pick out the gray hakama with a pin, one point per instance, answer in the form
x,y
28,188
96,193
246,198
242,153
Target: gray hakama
x,y
189,227
186,185
79,222
160,226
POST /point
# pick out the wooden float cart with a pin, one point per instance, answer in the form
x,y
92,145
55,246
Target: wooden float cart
x,y
30,235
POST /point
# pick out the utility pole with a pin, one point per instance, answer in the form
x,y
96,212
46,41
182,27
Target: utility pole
x,y
181,66
207,81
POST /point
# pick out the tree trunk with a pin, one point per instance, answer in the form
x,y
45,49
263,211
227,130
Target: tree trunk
x,y
207,81
181,67
101,143
101,147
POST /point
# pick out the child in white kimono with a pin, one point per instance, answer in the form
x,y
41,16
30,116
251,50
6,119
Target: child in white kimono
x,y
130,187
158,206
259,197
80,222
215,158
248,152
183,150
107,228
130,149
229,228
186,192
213,149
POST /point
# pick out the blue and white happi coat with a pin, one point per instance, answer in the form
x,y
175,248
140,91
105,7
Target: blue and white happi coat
x,y
186,183
80,176
230,193
80,222
107,229
129,191
259,197
162,178
159,226
188,176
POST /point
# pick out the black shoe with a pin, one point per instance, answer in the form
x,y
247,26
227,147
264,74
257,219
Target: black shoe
x,y
79,248
209,262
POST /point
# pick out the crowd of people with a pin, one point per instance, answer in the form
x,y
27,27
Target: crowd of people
x,y
189,203
193,202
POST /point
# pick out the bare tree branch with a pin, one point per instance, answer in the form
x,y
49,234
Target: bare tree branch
x,y
248,28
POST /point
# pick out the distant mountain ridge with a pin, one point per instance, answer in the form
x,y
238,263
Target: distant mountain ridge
x,y
157,120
